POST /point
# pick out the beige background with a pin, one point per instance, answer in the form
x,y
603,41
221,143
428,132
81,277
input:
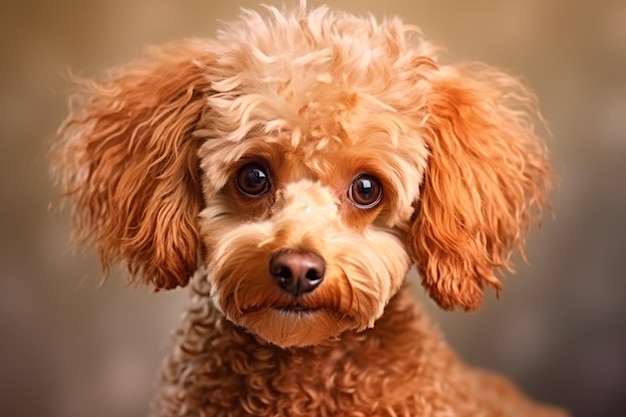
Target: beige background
x,y
69,349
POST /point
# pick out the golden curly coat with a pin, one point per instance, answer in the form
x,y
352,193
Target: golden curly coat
x,y
299,164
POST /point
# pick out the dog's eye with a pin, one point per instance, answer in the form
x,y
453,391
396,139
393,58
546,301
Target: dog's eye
x,y
253,180
365,191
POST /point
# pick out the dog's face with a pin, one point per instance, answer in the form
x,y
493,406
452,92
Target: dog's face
x,y
306,159
309,198
305,227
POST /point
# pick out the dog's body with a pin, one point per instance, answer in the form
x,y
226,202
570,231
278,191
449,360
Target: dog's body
x,y
301,163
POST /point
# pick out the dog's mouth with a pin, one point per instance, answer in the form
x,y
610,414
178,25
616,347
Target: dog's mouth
x,y
295,308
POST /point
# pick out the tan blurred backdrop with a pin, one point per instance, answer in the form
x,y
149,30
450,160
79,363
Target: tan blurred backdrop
x,y
71,349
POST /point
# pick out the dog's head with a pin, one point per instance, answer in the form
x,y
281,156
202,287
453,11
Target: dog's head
x,y
306,160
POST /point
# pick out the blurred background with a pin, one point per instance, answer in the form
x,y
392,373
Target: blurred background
x,y
70,348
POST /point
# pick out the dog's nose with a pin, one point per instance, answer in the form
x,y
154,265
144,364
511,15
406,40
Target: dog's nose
x,y
297,272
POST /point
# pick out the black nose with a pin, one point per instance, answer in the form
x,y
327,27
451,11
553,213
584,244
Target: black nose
x,y
297,272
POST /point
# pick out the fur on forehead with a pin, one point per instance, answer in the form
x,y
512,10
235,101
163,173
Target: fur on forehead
x,y
317,83
293,65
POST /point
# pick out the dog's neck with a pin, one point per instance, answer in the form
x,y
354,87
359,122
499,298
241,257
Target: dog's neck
x,y
379,361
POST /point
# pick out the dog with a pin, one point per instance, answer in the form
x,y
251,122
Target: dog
x,y
291,171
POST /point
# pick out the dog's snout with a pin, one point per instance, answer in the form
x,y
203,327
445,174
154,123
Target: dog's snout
x,y
297,272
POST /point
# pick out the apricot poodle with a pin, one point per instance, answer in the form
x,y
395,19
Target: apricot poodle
x,y
292,170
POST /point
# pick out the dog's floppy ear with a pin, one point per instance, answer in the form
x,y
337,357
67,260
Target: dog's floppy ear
x,y
484,184
128,162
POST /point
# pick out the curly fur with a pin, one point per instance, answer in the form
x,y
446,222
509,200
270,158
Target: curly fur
x,y
150,155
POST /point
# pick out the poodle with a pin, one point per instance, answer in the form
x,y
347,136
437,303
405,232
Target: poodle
x,y
291,171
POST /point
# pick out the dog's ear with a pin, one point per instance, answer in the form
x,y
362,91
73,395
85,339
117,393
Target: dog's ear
x,y
485,182
128,162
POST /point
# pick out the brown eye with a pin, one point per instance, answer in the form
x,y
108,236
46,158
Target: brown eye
x,y
365,191
253,180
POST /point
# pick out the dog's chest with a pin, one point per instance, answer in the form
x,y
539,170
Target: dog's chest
x,y
225,371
